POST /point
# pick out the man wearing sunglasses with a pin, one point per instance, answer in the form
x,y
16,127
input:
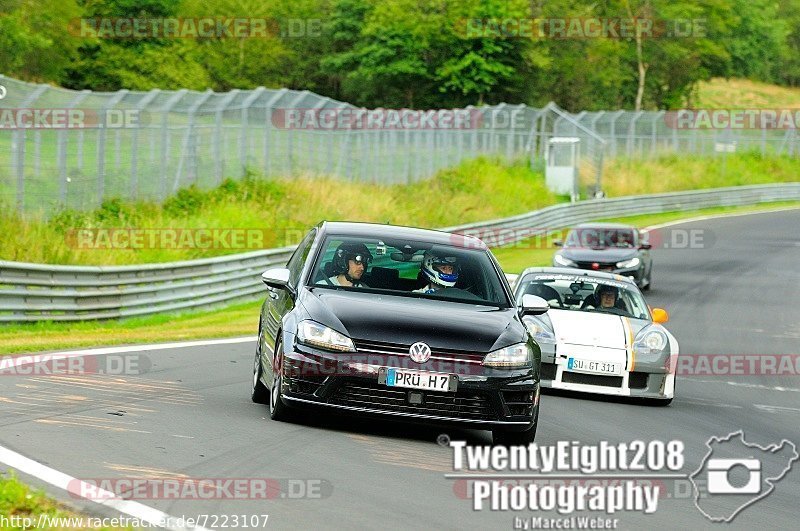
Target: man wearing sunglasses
x,y
349,264
440,270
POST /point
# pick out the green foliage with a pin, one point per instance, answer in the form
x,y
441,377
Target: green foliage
x,y
412,53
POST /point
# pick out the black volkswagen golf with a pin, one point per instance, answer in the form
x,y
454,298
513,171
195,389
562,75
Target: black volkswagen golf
x,y
402,323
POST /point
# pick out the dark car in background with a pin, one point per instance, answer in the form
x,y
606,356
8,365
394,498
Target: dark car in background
x,y
609,247
387,346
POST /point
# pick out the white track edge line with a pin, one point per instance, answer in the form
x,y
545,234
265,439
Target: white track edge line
x,y
63,481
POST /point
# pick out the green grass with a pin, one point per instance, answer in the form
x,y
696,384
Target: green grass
x,y
281,211
670,173
19,501
235,320
719,93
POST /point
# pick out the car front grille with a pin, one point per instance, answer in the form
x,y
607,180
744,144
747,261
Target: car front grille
x,y
602,266
519,402
299,380
591,379
451,405
394,349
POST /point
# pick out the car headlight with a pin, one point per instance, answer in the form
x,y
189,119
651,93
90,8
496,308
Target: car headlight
x,y
515,356
633,262
316,335
560,260
651,340
539,330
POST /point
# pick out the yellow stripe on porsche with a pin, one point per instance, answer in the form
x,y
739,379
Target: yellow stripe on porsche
x,y
626,324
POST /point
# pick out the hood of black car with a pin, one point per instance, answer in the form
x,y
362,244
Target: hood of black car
x,y
587,254
406,320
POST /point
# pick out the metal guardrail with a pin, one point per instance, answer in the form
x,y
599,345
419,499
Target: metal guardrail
x,y
34,292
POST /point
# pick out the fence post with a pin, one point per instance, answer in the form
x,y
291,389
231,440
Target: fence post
x,y
165,139
653,135
244,144
19,148
101,143
140,106
219,155
189,137
290,137
632,133
268,107
61,150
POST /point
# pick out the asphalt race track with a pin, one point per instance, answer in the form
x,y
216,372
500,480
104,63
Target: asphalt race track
x,y
191,415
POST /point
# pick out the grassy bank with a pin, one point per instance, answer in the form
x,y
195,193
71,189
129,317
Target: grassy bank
x,y
242,319
27,508
719,93
281,210
670,173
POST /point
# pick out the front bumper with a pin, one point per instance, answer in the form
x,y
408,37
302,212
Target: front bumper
x,y
486,398
635,384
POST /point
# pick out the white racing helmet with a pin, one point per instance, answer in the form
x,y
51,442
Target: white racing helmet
x,y
433,259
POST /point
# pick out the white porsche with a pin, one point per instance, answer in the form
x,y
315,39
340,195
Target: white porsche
x,y
600,336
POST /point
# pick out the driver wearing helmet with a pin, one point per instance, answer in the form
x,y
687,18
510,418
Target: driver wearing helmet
x,y
440,270
349,264
606,298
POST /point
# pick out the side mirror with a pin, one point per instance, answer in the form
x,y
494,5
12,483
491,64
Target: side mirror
x,y
645,246
533,305
558,243
277,278
660,315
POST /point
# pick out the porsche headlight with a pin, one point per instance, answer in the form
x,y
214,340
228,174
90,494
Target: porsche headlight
x,y
633,262
539,330
560,260
513,357
314,334
651,340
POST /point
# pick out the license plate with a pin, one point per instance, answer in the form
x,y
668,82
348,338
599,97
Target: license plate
x,y
428,381
597,367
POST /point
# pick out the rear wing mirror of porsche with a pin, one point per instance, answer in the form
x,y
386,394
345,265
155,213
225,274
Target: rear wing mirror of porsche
x,y
276,278
533,305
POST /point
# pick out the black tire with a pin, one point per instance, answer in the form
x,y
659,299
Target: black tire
x,y
516,438
259,393
277,409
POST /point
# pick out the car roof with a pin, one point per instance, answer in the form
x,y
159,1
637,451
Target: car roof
x,y
573,271
377,230
604,226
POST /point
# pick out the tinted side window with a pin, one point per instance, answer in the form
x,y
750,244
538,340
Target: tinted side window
x,y
295,264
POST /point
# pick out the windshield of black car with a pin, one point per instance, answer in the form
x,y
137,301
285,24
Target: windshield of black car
x,y
396,267
584,294
601,238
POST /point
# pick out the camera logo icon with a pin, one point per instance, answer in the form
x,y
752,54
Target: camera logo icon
x,y
735,474
719,471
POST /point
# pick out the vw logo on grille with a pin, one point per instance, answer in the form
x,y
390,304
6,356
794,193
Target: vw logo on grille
x,y
420,352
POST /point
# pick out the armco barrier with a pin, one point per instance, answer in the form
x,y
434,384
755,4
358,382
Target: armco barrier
x,y
34,292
